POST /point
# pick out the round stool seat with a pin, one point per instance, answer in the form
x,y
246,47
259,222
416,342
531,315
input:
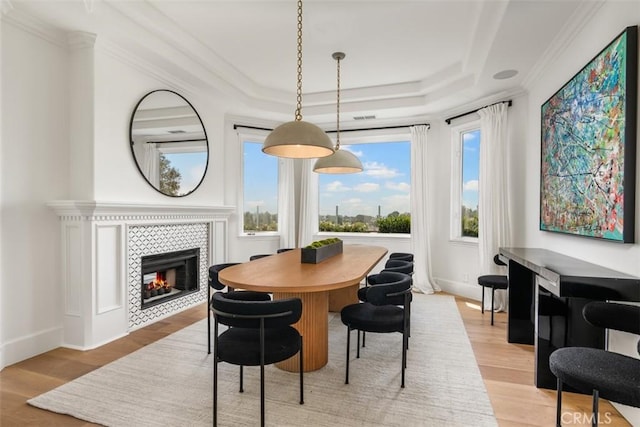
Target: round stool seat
x,y
493,280
614,375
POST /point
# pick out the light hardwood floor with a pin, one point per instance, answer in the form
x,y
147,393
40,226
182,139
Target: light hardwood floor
x,y
507,370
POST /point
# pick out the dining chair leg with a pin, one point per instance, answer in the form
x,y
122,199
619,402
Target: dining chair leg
x,y
208,332
301,372
346,378
559,403
262,395
405,343
215,379
358,346
482,306
364,334
241,382
208,319
215,392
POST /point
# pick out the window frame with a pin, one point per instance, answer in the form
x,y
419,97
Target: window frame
x,y
457,150
373,136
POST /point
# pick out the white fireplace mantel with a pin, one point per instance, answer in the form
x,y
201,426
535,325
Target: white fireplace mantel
x,y
96,272
98,210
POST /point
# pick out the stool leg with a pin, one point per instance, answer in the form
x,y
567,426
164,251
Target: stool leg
x,y
594,419
493,291
482,306
559,403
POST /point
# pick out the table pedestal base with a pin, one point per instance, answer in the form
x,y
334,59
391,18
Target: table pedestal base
x,y
340,298
314,328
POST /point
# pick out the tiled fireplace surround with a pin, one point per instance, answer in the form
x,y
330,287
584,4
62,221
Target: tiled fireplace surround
x,y
102,245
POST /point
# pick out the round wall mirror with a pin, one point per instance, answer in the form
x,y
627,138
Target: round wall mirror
x,y
169,143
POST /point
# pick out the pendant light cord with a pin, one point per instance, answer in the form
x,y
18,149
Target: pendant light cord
x,y
338,106
298,114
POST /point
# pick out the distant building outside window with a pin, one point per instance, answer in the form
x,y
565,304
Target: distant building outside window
x,y
260,189
373,201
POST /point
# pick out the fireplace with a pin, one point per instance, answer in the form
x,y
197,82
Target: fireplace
x,y
168,276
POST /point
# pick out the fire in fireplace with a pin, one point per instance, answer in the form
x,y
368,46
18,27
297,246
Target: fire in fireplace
x,y
169,275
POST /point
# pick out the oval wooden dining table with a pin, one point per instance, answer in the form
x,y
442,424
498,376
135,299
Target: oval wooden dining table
x,y
285,276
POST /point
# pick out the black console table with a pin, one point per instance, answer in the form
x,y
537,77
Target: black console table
x,y
547,292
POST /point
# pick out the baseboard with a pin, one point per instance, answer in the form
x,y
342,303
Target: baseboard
x,y
22,348
464,290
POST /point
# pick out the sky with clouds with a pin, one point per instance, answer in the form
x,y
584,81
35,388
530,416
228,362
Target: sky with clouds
x,y
385,181
470,166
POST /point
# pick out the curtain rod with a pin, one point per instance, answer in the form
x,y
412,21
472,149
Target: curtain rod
x,y
341,130
509,103
176,140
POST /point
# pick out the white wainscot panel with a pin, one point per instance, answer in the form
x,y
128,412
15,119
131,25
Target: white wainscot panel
x,y
109,283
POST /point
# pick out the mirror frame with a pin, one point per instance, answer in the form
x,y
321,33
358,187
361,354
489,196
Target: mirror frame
x,y
133,153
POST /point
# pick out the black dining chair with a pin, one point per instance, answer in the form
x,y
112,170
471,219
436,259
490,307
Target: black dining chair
x,y
604,374
387,310
391,266
279,251
259,333
214,283
493,281
255,257
403,256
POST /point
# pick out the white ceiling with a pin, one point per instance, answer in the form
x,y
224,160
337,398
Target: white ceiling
x,y
403,58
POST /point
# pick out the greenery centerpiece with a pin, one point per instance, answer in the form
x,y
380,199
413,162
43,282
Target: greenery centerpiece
x,y
320,250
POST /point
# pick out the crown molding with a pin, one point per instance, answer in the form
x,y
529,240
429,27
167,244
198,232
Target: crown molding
x,y
34,26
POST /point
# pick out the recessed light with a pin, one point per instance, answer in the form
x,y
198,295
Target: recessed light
x,y
505,74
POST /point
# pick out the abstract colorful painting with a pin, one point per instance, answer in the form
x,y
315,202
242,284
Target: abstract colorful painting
x,y
587,178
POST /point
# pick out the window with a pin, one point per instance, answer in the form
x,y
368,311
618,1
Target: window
x,y
260,189
375,200
465,176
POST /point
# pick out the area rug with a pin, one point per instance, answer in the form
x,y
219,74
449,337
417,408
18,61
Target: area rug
x,y
169,382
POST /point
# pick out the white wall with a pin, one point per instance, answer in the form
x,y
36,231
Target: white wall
x,y
34,170
41,74
607,23
116,175
610,20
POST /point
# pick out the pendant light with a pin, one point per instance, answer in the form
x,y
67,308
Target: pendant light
x,y
298,139
341,161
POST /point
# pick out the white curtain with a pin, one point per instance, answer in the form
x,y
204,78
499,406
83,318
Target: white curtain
x,y
493,212
308,203
150,163
286,203
420,236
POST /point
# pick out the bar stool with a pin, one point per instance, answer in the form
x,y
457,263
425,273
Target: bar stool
x,y
493,281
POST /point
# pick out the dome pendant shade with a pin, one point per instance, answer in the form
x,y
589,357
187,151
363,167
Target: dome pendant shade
x,y
341,161
298,140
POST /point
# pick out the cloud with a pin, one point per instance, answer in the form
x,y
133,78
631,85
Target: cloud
x,y
398,186
470,185
351,150
397,202
379,170
367,187
336,186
